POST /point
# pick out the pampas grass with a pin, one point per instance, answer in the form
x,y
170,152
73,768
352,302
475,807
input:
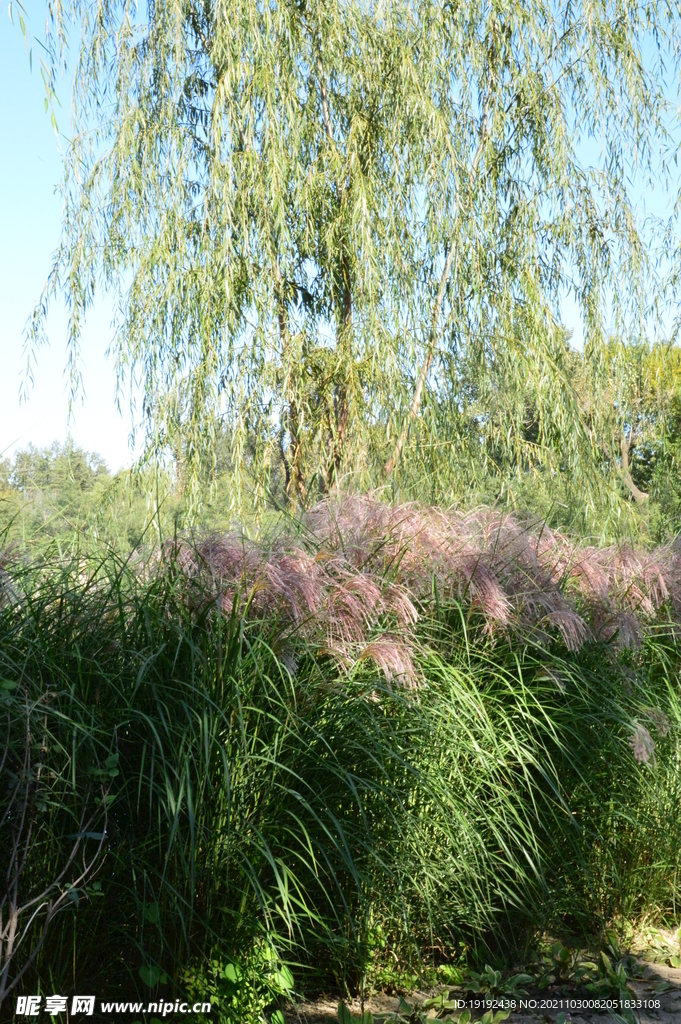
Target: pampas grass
x,y
359,567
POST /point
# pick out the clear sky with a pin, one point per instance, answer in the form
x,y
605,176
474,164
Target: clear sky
x,y
30,212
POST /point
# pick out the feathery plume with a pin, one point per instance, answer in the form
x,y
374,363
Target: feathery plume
x,y
364,568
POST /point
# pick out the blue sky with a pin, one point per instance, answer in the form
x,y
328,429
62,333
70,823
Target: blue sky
x,y
30,212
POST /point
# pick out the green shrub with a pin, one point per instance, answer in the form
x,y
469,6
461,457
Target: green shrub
x,y
241,989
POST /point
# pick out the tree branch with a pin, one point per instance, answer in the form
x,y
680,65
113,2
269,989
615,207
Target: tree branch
x,y
294,474
439,299
340,399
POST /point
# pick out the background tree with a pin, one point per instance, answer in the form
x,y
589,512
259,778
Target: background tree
x,y
345,230
638,409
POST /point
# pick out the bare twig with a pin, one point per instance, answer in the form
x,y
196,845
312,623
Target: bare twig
x,y
17,918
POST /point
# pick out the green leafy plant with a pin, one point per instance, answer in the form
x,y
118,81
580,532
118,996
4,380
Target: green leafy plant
x,y
345,1016
659,949
347,326
242,990
444,1009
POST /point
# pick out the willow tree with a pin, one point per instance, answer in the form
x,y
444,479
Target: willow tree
x,y
331,224
640,409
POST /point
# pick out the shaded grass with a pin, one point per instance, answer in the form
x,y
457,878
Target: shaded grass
x,y
250,798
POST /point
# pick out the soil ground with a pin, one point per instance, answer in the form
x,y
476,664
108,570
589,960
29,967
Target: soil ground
x,y
319,1010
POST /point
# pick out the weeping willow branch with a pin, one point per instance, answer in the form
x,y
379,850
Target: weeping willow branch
x,y
439,298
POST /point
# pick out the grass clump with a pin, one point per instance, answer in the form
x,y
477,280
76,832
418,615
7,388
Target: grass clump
x,y
262,801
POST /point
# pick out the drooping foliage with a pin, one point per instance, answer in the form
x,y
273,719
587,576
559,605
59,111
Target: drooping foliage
x,y
345,229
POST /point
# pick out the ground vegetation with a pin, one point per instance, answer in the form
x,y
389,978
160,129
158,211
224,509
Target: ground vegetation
x,y
391,740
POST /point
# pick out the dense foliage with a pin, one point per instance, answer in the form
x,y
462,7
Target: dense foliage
x,y
63,495
263,805
65,498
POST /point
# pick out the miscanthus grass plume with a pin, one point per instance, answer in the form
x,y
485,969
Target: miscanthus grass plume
x,y
388,721
359,573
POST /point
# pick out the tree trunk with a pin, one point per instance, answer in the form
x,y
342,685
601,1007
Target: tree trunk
x,y
637,494
295,483
339,429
